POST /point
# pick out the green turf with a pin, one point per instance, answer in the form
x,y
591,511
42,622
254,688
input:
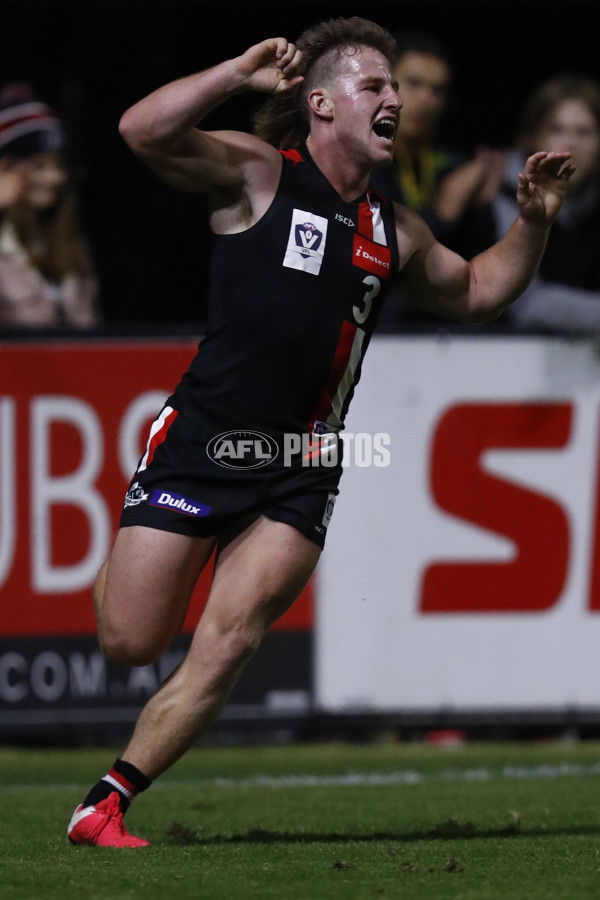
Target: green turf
x,y
317,822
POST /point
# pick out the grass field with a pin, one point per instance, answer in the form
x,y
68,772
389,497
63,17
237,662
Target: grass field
x,y
316,822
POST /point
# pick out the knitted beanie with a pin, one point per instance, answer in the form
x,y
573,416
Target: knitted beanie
x,y
27,126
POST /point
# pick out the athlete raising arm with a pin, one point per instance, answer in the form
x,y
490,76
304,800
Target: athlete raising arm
x,y
302,257
241,172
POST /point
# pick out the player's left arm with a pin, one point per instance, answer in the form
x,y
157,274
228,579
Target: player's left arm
x,y
478,291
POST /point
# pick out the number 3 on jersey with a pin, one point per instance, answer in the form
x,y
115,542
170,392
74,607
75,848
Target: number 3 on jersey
x,y
373,287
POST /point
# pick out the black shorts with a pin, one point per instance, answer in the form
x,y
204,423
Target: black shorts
x,y
178,486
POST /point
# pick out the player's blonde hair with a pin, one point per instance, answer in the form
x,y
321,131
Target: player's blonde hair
x,y
284,119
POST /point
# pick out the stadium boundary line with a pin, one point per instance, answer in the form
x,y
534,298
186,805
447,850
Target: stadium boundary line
x,y
358,779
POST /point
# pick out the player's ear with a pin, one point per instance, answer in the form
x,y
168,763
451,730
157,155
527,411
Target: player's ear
x,y
321,104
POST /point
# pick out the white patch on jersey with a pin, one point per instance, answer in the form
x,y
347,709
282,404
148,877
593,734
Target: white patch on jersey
x,y
378,226
306,242
329,510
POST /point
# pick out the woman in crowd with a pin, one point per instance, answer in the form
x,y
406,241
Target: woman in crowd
x,y
47,279
565,297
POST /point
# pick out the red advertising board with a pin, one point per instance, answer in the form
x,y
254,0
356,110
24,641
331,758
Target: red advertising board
x,y
74,417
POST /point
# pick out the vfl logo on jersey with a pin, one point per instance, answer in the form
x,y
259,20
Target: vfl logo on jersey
x,y
375,258
308,238
306,242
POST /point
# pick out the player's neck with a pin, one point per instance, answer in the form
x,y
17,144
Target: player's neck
x,y
348,179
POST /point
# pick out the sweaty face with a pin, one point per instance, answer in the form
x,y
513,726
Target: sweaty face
x,y
366,105
423,83
571,126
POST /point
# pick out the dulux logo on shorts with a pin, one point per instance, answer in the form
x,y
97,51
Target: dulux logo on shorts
x,y
242,449
171,500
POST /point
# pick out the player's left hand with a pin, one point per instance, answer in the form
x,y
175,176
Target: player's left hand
x,y
542,186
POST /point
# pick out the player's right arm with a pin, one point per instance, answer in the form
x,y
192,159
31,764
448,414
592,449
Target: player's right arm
x,y
162,129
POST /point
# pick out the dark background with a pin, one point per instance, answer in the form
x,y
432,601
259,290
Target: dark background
x,y
91,59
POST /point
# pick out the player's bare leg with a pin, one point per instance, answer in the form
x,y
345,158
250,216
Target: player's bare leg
x,y
141,600
258,575
142,595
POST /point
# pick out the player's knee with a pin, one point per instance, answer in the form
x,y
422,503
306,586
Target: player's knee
x,y
122,641
237,643
129,649
224,649
241,644
243,635
124,652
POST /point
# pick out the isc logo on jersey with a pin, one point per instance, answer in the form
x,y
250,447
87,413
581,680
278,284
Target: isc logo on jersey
x,y
306,242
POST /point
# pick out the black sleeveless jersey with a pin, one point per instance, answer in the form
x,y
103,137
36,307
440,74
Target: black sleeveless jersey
x,y
292,306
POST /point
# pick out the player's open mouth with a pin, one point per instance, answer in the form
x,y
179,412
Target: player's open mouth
x,y
385,128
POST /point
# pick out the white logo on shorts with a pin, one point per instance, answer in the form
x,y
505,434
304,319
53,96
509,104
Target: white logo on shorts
x,y
328,510
135,495
242,449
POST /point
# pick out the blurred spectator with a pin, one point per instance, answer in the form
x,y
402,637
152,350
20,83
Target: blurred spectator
x,y
562,114
47,278
449,190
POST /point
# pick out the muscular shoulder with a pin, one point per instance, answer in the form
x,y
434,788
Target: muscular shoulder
x,y
247,175
241,147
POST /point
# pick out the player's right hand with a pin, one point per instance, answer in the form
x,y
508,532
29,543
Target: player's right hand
x,y
271,66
